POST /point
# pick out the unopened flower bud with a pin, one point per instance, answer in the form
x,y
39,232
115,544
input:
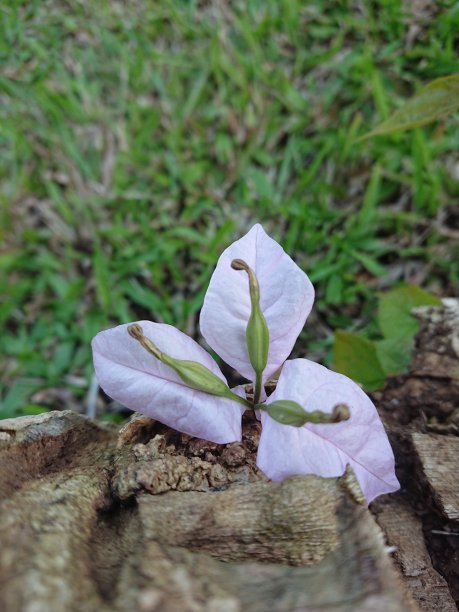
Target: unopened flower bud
x,y
257,333
288,412
198,377
194,374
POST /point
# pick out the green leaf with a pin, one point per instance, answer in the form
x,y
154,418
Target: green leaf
x,y
357,358
394,354
438,99
394,311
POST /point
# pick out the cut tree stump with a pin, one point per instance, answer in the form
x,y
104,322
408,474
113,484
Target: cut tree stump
x,y
92,518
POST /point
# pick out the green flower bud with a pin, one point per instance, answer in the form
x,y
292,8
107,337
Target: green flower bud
x,y
197,376
194,374
257,333
257,337
288,412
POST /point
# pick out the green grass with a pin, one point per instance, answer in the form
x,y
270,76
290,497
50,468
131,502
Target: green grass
x,y
139,139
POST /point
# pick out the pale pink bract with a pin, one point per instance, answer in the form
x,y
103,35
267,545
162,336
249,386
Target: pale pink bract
x,y
326,449
128,373
286,298
135,378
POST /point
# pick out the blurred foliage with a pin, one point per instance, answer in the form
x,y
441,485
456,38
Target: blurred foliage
x,y
138,140
371,361
435,101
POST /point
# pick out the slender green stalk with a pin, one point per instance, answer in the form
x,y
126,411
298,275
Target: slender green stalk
x,y
257,391
241,400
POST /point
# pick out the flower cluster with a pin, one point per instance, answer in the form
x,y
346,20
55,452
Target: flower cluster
x,y
256,305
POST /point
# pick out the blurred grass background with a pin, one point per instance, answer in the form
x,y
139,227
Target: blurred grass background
x,y
138,140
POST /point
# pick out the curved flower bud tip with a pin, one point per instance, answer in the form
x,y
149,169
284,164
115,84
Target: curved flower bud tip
x,y
285,297
239,264
340,413
254,287
325,449
136,332
129,374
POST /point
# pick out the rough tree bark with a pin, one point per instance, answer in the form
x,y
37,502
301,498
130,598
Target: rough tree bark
x,y
146,519
421,413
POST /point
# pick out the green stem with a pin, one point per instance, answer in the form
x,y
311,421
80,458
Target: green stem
x,y
257,392
239,399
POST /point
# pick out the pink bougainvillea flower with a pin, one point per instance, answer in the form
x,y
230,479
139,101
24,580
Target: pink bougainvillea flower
x,y
326,449
128,373
283,298
286,298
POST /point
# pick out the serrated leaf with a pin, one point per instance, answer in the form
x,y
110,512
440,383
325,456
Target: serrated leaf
x,y
357,358
438,99
394,311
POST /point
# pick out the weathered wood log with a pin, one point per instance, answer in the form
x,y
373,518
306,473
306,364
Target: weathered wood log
x,y
421,412
93,520
403,529
438,471
148,519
